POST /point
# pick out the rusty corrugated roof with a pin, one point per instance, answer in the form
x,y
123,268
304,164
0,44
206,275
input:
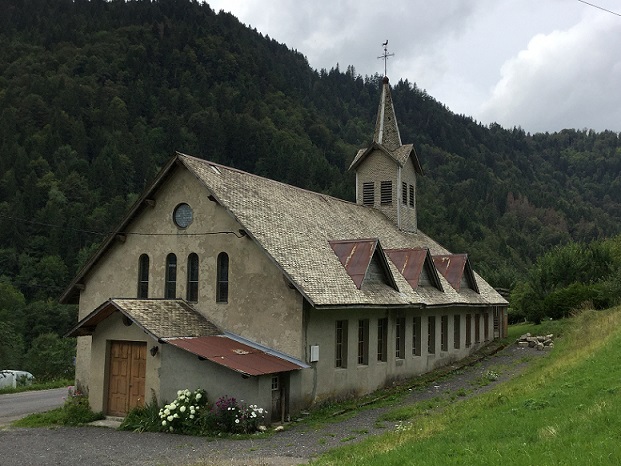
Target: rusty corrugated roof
x,y
235,355
355,255
409,262
453,267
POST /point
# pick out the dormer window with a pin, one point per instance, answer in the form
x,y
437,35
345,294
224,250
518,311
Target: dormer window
x,y
386,193
368,194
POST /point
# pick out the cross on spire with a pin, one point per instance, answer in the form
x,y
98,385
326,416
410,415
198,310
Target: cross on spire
x,y
385,55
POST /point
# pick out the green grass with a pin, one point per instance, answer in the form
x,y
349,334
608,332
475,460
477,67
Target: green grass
x,y
75,412
38,386
564,410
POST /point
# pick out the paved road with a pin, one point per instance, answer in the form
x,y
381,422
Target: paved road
x,y
17,405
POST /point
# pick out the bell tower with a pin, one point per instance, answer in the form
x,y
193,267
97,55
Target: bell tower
x,y
386,170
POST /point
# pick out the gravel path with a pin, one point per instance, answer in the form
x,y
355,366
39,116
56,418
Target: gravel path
x,y
296,445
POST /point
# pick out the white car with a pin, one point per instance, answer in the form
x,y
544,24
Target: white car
x,y
11,378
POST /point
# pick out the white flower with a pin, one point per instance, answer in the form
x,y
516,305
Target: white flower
x,y
253,414
176,416
261,411
171,428
172,406
191,416
179,392
236,421
182,409
166,411
170,418
198,396
163,423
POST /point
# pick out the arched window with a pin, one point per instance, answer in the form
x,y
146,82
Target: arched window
x,y
170,290
222,283
143,276
192,288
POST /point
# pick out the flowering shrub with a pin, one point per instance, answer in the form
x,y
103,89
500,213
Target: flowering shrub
x,y
230,416
183,415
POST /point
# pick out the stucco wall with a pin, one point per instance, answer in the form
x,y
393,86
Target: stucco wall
x,y
113,329
325,381
261,306
185,370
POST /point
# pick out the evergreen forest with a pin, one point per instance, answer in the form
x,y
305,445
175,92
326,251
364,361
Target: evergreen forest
x,y
95,96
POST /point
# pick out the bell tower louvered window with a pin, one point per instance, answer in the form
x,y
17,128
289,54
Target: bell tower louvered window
x,y
368,194
386,193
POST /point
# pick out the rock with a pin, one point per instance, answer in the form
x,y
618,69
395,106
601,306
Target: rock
x,y
540,347
531,344
523,344
279,429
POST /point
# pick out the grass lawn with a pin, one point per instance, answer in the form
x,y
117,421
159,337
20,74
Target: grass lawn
x,y
566,409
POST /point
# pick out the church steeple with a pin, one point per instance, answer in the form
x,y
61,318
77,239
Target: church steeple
x,y
386,170
386,128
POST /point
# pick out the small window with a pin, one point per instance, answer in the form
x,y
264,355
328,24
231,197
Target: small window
x,y
431,334
400,338
192,288
222,284
404,193
275,384
416,333
143,277
170,290
456,331
386,193
341,344
411,195
382,339
368,194
477,328
444,333
468,330
363,342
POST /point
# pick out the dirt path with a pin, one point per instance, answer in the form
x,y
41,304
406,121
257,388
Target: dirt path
x,y
296,445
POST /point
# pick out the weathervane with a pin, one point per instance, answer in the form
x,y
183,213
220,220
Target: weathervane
x,y
385,55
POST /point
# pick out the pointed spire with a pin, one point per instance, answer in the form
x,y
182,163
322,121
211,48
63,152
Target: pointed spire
x,y
386,128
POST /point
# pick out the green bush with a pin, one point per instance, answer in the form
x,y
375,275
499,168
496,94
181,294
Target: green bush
x,y
143,418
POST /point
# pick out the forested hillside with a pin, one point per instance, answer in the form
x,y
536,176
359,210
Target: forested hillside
x,y
95,96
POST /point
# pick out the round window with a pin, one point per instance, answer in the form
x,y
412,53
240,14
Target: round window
x,y
182,216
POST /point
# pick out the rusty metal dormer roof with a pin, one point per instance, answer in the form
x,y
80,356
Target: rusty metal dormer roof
x,y
456,269
412,262
356,255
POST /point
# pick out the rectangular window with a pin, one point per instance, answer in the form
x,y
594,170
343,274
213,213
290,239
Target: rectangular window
x,y
363,342
400,338
170,290
404,193
486,326
416,333
444,333
382,339
477,328
411,195
341,343
143,276
456,331
468,330
386,193
431,334
368,194
222,278
192,286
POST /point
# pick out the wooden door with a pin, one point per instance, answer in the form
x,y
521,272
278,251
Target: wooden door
x,y
126,376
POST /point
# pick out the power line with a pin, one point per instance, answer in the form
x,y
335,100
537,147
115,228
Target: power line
x,y
600,8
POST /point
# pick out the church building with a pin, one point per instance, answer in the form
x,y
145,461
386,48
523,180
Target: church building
x,y
247,287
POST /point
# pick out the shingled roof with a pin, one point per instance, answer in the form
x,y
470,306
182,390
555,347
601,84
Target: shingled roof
x,y
295,227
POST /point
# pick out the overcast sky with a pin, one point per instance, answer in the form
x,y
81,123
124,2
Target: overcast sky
x,y
543,65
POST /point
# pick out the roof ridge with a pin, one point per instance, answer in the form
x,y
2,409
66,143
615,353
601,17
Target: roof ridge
x,y
243,172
